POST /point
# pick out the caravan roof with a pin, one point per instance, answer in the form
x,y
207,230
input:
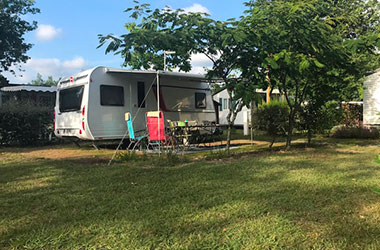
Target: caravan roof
x,y
163,74
184,76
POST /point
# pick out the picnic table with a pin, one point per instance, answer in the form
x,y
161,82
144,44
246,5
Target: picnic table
x,y
189,133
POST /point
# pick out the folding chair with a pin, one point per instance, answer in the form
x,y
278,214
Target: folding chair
x,y
133,139
156,129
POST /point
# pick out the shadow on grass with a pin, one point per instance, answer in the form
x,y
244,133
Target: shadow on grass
x,y
289,195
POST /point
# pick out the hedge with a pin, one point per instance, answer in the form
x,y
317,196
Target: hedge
x,y
25,124
358,132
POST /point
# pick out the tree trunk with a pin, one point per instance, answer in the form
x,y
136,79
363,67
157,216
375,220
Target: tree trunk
x,y
290,131
233,111
228,138
272,142
309,136
252,118
289,138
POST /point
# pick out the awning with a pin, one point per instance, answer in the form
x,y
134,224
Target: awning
x,y
49,89
163,74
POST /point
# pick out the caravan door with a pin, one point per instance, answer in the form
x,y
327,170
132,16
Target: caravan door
x,y
139,103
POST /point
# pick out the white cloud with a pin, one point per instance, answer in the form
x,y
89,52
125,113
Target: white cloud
x,y
46,32
47,67
76,63
195,8
200,60
200,63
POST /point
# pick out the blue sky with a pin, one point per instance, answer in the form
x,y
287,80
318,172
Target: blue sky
x,y
66,39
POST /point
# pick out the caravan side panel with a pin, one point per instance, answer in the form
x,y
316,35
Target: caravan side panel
x,y
106,120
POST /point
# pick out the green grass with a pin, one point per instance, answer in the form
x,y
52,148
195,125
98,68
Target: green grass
x,y
237,133
319,198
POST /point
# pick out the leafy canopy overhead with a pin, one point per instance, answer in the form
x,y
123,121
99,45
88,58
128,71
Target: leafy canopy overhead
x,y
13,27
156,31
152,33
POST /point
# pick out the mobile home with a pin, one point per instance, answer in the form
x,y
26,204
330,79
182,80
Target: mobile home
x,y
91,105
244,115
371,100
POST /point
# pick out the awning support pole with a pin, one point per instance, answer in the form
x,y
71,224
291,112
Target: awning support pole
x,y
158,109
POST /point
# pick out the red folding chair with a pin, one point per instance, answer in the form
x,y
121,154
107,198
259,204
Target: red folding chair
x,y
156,128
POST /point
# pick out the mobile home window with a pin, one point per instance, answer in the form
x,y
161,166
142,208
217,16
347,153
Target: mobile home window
x,y
200,100
220,104
234,104
141,94
70,99
111,95
225,103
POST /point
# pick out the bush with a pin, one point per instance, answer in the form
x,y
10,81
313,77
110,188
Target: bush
x,y
358,132
273,118
25,124
332,115
316,118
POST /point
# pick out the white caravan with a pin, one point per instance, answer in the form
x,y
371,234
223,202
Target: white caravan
x,y
91,105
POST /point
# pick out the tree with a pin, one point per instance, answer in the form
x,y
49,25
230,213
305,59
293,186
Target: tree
x,y
13,27
3,81
41,82
311,47
186,34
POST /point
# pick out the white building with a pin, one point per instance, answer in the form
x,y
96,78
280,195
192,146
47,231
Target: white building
x,y
371,100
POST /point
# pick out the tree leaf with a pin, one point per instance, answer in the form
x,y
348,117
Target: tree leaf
x,y
272,62
318,64
305,64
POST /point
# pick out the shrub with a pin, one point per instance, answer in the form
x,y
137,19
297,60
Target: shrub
x,y
273,119
358,132
316,118
25,124
309,119
332,115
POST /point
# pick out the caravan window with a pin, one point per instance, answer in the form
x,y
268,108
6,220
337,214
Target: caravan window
x,y
70,99
111,95
200,100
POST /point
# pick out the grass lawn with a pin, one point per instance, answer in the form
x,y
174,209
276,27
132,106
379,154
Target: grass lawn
x,y
67,198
